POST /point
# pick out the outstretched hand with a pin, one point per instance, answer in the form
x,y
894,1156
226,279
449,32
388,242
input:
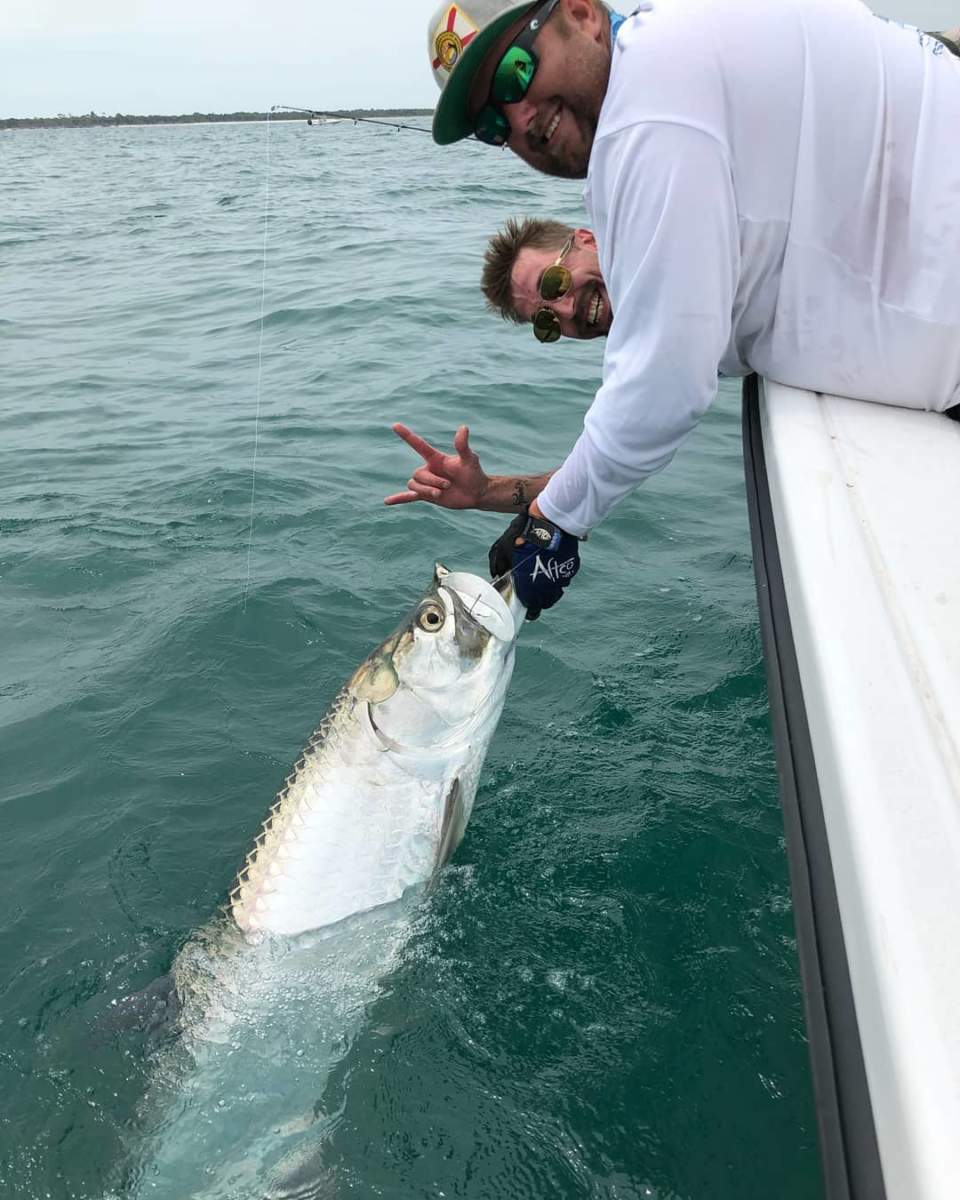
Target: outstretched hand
x,y
450,480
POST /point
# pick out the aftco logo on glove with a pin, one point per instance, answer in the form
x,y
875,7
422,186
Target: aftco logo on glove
x,y
553,570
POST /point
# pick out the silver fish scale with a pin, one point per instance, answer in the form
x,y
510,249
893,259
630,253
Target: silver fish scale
x,y
280,813
350,829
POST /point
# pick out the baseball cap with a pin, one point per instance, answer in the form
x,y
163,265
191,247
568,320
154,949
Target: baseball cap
x,y
458,38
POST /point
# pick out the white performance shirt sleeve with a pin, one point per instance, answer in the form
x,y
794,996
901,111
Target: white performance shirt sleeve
x,y
662,202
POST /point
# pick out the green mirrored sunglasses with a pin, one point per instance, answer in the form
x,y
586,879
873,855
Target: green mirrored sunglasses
x,y
511,79
555,282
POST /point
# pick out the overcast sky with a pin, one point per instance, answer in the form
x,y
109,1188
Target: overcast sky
x,y
183,56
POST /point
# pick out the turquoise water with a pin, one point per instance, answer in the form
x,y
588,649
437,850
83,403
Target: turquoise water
x,y
602,997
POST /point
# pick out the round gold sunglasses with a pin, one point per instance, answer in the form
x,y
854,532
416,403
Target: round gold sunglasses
x,y
554,284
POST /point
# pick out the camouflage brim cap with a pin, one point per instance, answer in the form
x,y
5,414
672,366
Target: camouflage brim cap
x,y
458,38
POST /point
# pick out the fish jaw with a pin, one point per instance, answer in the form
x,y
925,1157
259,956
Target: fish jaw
x,y
508,593
489,606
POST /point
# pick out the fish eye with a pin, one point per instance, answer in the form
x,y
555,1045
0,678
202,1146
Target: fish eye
x,y
431,617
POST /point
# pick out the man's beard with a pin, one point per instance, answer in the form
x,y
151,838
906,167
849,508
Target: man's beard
x,y
573,162
582,103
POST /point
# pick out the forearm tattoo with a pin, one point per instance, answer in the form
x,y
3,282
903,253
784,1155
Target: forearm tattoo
x,y
519,497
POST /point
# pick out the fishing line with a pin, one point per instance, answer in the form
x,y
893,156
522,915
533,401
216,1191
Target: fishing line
x,y
309,112
493,584
263,305
319,112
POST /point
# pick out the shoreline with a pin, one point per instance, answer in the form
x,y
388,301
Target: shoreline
x,y
123,120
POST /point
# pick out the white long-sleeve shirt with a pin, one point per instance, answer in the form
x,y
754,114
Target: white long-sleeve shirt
x,y
774,186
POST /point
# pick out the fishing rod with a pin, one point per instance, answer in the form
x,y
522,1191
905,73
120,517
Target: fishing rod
x,y
319,112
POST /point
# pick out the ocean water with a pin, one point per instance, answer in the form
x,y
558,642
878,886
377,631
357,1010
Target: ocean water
x,y
601,997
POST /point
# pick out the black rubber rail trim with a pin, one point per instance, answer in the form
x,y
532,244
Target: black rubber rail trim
x,y
850,1157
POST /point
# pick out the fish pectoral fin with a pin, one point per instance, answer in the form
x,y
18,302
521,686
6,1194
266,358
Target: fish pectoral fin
x,y
374,680
452,827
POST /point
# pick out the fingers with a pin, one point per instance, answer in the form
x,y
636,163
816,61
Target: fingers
x,y
414,441
425,492
417,491
429,479
461,443
498,562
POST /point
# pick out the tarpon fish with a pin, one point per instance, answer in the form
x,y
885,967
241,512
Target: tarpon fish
x,y
272,990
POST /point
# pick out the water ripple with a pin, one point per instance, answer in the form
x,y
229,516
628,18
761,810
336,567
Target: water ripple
x,y
600,997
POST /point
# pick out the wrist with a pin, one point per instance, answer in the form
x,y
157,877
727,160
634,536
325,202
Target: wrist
x,y
505,494
483,494
536,511
512,493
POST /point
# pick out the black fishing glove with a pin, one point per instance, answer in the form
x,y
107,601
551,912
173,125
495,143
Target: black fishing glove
x,y
541,566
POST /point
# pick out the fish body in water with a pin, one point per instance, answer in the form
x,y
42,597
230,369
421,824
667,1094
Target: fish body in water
x,y
272,991
382,793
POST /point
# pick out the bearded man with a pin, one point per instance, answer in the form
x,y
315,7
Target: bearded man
x,y
774,187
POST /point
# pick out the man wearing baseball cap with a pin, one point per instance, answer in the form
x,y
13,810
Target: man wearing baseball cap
x,y
774,186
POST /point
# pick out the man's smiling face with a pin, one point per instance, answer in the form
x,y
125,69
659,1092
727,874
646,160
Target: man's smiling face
x,y
584,312
552,127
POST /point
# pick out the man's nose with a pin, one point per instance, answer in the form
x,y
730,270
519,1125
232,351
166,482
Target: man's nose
x,y
519,115
565,305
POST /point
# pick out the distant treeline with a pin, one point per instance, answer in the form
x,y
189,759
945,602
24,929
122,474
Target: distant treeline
x,y
68,121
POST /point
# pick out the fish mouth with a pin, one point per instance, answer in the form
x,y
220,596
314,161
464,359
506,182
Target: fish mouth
x,y
477,602
505,587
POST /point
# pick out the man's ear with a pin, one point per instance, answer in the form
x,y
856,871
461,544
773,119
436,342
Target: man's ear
x,y
583,15
584,239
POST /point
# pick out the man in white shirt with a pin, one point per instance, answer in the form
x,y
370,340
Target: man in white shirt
x,y
774,186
